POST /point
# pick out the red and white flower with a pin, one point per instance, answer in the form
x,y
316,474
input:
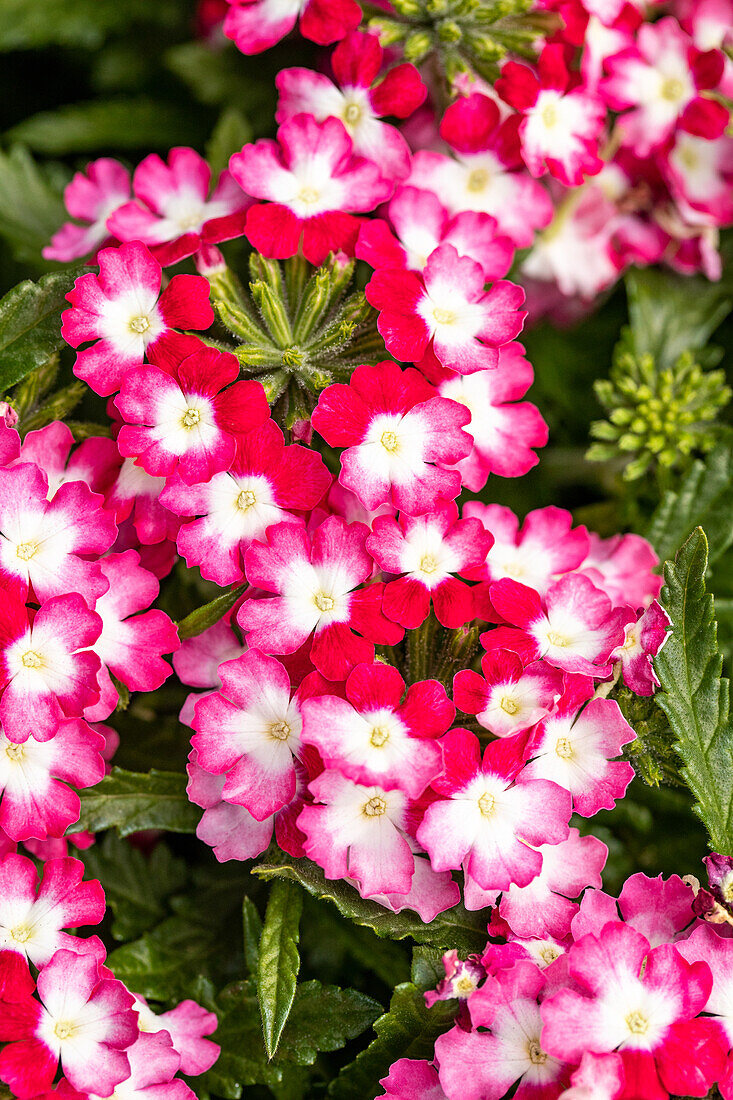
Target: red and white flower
x,y
509,697
123,311
90,198
255,25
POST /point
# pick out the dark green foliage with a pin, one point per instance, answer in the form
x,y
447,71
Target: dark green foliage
x,y
131,801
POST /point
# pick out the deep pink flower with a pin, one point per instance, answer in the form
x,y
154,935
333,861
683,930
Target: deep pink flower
x,y
411,1079
42,541
486,174
90,198
48,671
575,627
509,697
428,550
255,25
642,1001
154,1062
172,213
136,493
445,314
378,733
419,223
265,483
562,121
489,814
357,100
661,909
187,1025
185,415
398,434
95,460
36,908
706,946
316,580
643,641
83,1020
314,183
660,78
131,646
123,311
34,799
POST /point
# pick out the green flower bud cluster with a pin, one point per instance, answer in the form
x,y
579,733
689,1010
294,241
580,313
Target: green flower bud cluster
x,y
464,36
656,418
652,753
300,328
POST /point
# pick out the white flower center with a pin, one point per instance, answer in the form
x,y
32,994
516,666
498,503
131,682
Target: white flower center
x,y
280,731
21,934
308,196
352,114
26,550
31,659
564,748
487,804
139,324
190,418
672,89
550,115
637,1023
464,986
375,807
191,218
323,602
428,564
379,736
549,954
246,499
444,316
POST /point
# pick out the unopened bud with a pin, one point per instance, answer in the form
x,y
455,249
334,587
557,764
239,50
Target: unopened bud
x,y
417,46
209,261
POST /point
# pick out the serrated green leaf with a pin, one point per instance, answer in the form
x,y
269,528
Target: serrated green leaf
x,y
136,886
30,325
131,801
704,499
84,23
671,314
279,960
161,963
456,927
252,929
693,695
204,617
408,1030
323,1018
136,122
231,132
31,205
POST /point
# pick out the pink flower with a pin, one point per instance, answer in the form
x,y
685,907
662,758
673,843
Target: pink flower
x,y
419,223
187,1025
43,541
255,25
543,909
172,213
83,1020
399,436
659,78
577,750
136,493
265,482
707,947
153,1064
504,429
35,909
131,646
562,121
249,732
483,1065
180,417
356,64
197,660
444,313
643,641
357,831
642,1001
34,798
431,892
428,550
575,627
47,671
314,183
700,173
95,460
375,735
411,1079
622,567
316,580
90,198
599,1077
546,546
489,814
509,697
462,978
124,312
486,175
660,909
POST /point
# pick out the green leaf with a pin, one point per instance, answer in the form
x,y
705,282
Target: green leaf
x,y
408,1030
136,122
324,1018
693,695
243,1061
31,204
279,960
231,132
204,617
703,499
30,325
213,76
131,801
671,314
162,962
136,886
84,23
455,928
252,928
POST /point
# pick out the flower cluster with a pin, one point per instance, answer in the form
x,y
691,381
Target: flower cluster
x,y
61,1007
